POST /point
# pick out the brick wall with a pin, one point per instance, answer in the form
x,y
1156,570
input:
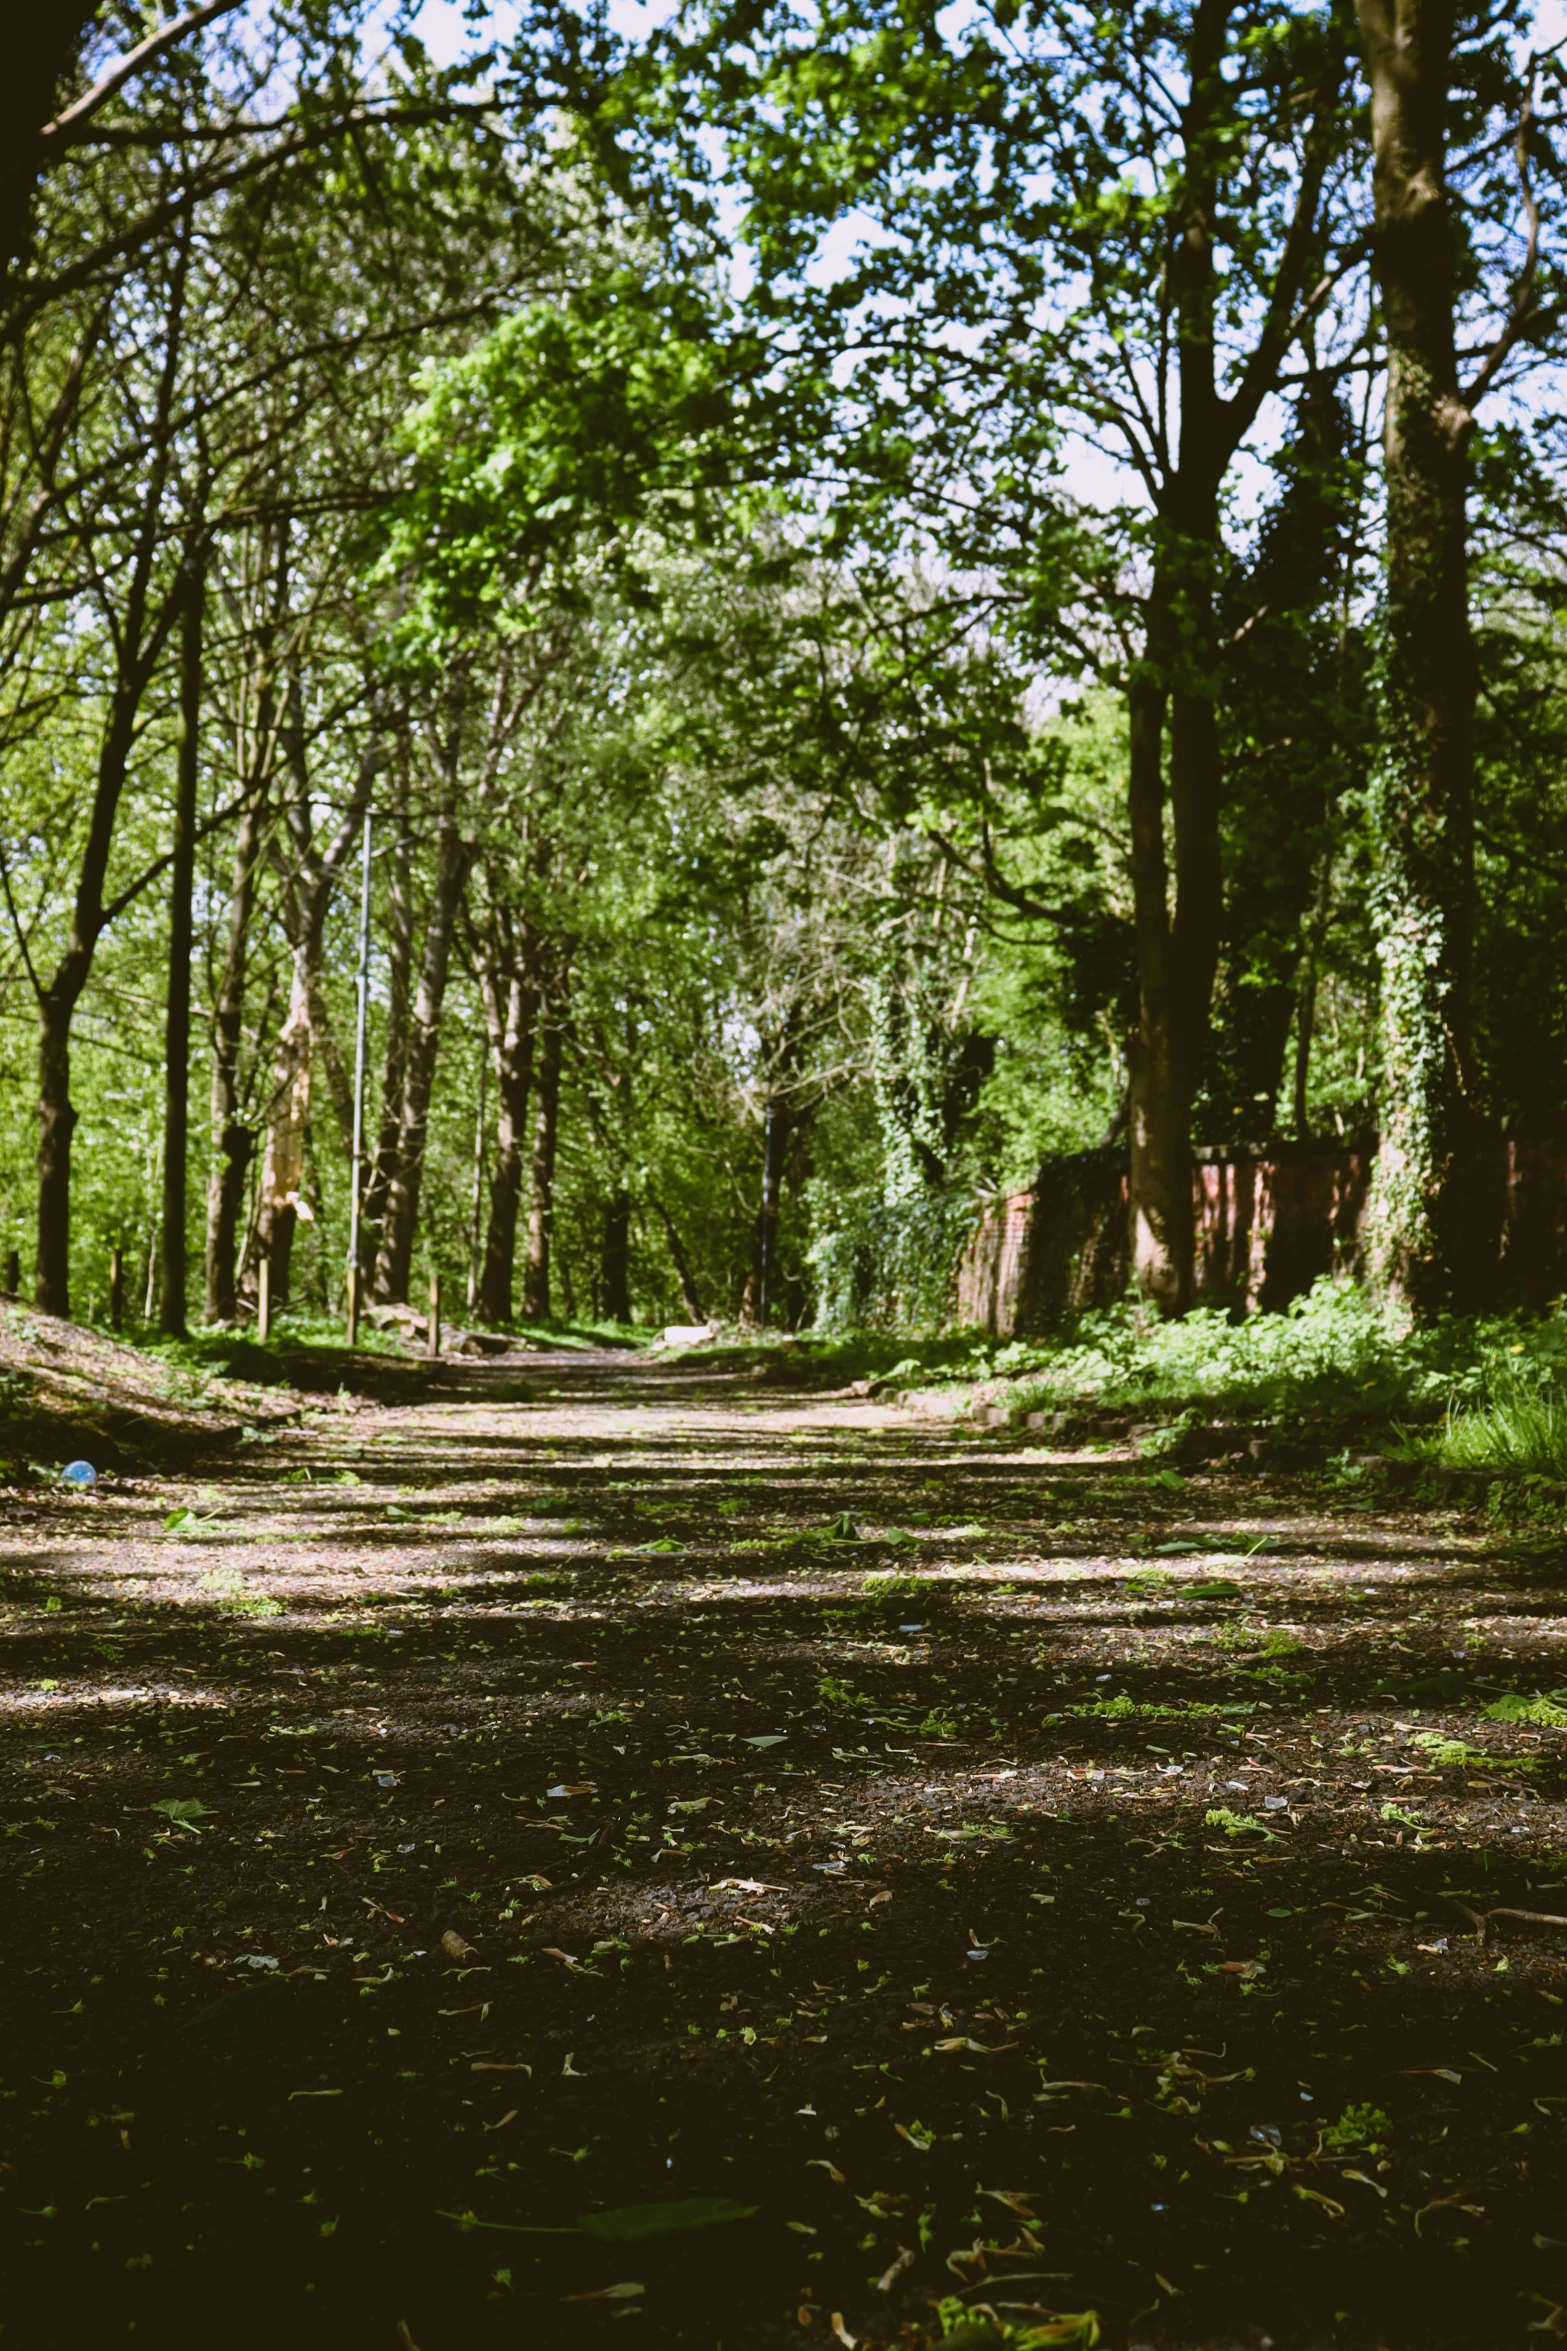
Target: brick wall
x,y
1266,1229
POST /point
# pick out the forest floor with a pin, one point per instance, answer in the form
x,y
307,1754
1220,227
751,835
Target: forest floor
x,y
525,1796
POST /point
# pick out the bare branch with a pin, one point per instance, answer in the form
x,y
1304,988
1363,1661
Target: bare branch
x,y
60,132
1522,316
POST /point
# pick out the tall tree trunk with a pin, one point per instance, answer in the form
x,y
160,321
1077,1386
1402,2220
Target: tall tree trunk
x,y
616,1260
399,978
1177,680
176,1057
1422,791
541,1206
235,1140
56,1125
761,1287
691,1296
140,637
283,1161
57,1009
394,1259
307,882
512,1045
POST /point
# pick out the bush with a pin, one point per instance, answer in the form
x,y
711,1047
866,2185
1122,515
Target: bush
x,y
890,1265
1496,1389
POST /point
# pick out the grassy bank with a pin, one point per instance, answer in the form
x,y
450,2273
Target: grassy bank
x,y
1469,1392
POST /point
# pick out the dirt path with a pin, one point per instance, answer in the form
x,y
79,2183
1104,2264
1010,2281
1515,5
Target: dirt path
x,y
1071,1923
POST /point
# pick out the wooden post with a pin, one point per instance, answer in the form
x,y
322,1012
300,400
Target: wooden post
x,y
264,1297
353,1305
117,1286
432,1339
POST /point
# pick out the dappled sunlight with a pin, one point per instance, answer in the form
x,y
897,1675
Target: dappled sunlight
x,y
835,1826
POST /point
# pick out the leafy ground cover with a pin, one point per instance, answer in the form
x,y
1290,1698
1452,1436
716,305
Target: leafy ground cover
x,y
1470,1392
581,1842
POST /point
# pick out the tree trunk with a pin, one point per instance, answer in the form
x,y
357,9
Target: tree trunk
x,y
56,1126
57,1009
616,1260
1422,788
1160,1114
541,1206
283,1162
761,1286
176,1063
236,1141
394,1060
512,1043
394,1259
691,1296
1178,945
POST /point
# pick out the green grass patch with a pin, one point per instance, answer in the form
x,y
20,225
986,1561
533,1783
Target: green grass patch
x,y
1124,1709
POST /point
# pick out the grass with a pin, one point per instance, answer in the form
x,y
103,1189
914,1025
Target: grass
x,y
1521,1425
1467,1392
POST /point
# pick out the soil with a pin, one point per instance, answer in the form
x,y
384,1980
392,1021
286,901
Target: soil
x,y
558,1816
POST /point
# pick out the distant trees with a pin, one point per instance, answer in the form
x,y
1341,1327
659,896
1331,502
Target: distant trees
x,y
987,693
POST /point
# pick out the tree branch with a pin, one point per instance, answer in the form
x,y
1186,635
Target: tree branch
x,y
1522,317
64,127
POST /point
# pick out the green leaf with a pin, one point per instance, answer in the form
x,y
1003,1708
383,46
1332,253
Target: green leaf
x,y
184,1809
629,2224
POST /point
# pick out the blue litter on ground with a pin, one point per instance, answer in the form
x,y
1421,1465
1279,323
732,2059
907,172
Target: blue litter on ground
x,y
79,1473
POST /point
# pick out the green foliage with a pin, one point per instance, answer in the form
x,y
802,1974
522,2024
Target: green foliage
x,y
1359,2127
536,452
1548,1713
1124,1709
889,1264
1236,1824
1334,1355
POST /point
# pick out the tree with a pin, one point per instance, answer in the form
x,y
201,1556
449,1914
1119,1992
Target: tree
x,y
1428,246
1128,220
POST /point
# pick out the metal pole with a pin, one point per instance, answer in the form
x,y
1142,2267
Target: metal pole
x,y
359,1088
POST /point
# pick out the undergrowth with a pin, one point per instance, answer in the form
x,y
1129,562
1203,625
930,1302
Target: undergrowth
x,y
1463,1391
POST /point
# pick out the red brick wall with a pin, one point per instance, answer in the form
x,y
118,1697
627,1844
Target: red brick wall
x,y
1266,1229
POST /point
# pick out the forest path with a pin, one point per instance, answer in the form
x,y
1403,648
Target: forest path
x,y
1027,1879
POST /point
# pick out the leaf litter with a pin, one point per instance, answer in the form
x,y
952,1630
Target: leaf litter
x,y
958,1913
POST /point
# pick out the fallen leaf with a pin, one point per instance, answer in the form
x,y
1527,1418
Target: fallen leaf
x,y
820,2163
454,1946
894,2270
1014,2200
627,2292
1311,2196
841,2331
630,2224
497,2065
569,2071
